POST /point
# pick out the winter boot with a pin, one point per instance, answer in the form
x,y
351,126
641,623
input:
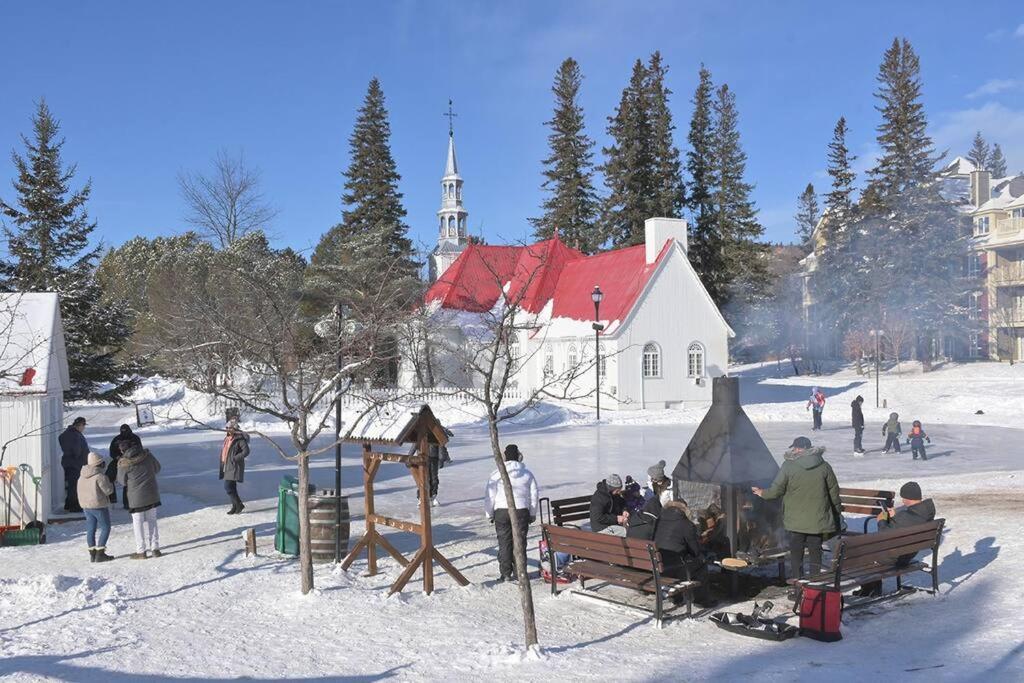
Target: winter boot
x,y
156,552
139,556
101,555
92,554
233,510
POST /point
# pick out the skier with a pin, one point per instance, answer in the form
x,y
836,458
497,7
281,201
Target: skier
x,y
525,498
916,439
94,491
891,430
816,403
136,472
75,450
858,426
233,453
124,439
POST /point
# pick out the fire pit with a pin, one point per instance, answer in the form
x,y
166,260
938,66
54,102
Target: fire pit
x,y
723,460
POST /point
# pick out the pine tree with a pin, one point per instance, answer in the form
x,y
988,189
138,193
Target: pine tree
x,y
806,215
705,249
628,167
667,169
48,250
374,213
910,241
572,205
997,162
979,154
735,219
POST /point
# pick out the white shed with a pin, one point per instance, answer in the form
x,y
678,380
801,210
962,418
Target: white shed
x,y
33,378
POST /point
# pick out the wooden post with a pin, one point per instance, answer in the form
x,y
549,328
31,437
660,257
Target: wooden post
x,y
426,537
371,531
250,542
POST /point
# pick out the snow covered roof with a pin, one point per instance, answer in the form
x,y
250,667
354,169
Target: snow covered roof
x,y
958,167
33,359
1007,193
396,426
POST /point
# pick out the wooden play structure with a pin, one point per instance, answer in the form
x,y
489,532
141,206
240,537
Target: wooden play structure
x,y
422,429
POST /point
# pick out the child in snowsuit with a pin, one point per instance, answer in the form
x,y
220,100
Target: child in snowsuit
x,y
891,430
916,439
633,495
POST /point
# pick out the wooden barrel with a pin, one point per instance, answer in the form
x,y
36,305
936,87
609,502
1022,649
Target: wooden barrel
x,y
322,524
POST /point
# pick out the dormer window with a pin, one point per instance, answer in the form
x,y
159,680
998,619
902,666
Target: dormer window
x,y
981,225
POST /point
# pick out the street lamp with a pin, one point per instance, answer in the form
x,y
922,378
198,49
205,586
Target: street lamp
x,y
339,314
596,297
877,334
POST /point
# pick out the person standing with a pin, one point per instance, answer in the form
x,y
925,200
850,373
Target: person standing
x,y
810,502
891,430
124,439
437,458
525,496
233,453
608,507
857,420
916,439
136,472
94,491
817,405
75,450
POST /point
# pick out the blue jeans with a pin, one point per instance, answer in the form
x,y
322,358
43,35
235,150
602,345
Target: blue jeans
x,y
97,518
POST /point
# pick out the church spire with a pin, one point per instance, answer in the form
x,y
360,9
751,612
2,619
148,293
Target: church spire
x,y
452,216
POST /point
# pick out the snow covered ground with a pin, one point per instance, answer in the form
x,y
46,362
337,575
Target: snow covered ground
x,y
205,612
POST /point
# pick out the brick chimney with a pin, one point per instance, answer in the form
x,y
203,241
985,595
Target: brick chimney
x,y
981,182
657,231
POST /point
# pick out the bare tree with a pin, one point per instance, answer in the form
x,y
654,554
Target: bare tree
x,y
857,344
251,317
227,203
898,334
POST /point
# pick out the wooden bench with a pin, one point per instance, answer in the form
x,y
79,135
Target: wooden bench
x,y
565,511
866,558
864,502
624,562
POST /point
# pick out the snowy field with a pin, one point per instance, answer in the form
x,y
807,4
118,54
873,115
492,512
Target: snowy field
x,y
205,612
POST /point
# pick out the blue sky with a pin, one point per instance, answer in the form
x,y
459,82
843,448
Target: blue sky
x,y
147,90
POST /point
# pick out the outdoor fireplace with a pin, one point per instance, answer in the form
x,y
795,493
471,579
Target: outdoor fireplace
x,y
723,460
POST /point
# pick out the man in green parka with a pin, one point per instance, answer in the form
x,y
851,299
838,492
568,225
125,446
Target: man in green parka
x,y
810,502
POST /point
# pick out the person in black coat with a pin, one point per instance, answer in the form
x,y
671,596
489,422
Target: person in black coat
x,y
607,507
437,458
122,441
916,510
642,524
857,420
677,539
75,450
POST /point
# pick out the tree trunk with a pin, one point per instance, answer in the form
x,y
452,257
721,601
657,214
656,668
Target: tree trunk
x,y
305,548
518,549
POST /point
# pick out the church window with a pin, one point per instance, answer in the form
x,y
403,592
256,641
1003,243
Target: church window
x,y
451,226
695,360
652,360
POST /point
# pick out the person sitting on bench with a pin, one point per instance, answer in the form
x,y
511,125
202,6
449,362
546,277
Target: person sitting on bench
x,y
642,524
916,510
676,538
607,507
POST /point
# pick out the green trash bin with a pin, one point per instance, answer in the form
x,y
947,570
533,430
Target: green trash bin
x,y
286,538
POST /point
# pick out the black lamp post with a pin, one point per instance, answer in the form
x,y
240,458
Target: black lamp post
x,y
338,311
877,334
596,296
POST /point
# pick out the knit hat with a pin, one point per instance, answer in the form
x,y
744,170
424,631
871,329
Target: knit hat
x,y
613,481
95,458
512,453
801,442
656,472
911,491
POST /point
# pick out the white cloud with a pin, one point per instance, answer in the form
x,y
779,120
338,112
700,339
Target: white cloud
x,y
954,131
1019,33
994,87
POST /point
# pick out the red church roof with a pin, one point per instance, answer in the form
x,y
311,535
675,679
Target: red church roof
x,y
546,271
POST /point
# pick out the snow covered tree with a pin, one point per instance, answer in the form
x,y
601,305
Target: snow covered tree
x,y
910,239
997,162
979,154
628,167
806,215
705,249
735,216
48,251
571,206
668,186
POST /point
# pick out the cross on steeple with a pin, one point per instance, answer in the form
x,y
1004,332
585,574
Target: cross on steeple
x,y
450,115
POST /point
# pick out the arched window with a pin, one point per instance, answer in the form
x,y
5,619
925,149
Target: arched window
x,y
462,224
572,358
695,360
458,191
451,226
652,360
451,190
549,361
442,226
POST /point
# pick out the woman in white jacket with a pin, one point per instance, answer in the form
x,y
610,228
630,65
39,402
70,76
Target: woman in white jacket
x,y
525,498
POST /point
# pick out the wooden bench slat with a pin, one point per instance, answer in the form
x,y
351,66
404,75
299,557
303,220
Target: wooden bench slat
x,y
607,558
599,539
869,539
867,493
862,510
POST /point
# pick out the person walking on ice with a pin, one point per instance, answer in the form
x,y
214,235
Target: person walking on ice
x,y
233,453
857,420
526,498
816,404
891,430
136,472
916,439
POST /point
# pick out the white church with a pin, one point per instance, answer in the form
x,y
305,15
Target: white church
x,y
661,337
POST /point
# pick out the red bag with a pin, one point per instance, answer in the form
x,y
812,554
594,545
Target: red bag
x,y
821,611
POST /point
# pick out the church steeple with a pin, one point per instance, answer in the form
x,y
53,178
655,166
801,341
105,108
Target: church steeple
x,y
452,215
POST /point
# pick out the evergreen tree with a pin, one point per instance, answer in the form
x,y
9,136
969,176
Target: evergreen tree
x,y
735,221
667,169
705,249
910,241
979,154
806,215
997,162
572,205
48,250
628,168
